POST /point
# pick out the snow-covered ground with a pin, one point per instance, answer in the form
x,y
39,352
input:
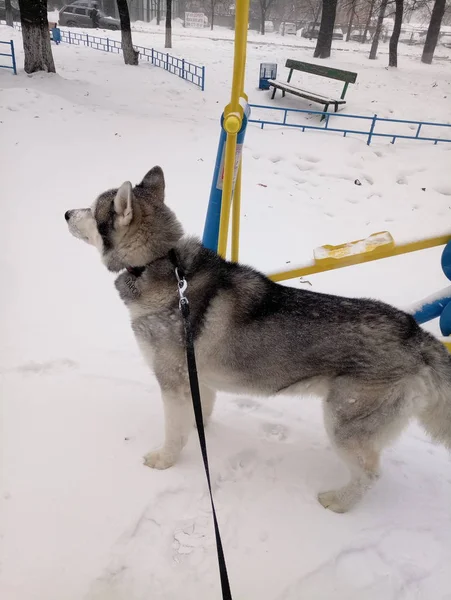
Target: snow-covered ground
x,y
81,517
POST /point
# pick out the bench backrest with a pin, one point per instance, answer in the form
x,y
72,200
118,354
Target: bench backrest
x,y
329,72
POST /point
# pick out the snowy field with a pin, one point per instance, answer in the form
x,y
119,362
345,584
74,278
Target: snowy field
x,y
80,517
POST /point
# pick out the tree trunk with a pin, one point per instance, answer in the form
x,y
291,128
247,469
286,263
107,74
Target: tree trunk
x,y
168,39
212,7
326,30
393,46
36,37
377,33
351,20
130,54
158,11
262,24
433,31
9,13
368,21
148,11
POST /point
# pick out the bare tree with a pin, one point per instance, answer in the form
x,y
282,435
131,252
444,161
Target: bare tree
x,y
9,13
394,39
377,33
168,37
35,36
368,21
130,54
158,12
326,30
265,5
313,9
352,12
210,5
433,31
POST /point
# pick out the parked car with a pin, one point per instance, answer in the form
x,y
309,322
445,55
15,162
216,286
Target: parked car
x,y
312,31
14,6
269,26
287,28
77,15
357,35
412,37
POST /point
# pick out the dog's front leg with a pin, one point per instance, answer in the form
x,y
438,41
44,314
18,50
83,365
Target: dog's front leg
x,y
178,415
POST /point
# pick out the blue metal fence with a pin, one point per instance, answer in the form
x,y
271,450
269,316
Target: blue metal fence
x,y
177,66
184,69
417,127
11,54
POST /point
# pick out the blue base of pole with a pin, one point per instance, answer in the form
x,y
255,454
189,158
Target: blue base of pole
x,y
212,221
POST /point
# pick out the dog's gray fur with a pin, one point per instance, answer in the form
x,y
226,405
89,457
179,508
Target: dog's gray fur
x,y
375,367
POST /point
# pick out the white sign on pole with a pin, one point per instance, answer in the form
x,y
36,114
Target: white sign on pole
x,y
195,20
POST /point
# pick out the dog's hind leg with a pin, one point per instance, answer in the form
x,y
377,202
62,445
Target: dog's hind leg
x,y
361,419
363,463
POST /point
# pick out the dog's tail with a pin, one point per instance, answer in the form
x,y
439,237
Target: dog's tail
x,y
435,411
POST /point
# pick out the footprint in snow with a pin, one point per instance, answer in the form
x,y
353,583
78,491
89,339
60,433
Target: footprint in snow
x,y
274,432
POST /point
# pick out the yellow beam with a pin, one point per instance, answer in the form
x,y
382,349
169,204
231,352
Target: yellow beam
x,y
356,259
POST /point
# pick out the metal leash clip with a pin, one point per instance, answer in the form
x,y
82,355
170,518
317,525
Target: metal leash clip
x,y
182,286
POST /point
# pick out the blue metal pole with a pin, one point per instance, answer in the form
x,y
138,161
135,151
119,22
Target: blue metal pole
x,y
211,228
370,134
212,220
13,57
203,79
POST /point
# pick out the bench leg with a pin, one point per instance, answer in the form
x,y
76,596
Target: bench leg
x,y
336,106
283,93
326,108
273,94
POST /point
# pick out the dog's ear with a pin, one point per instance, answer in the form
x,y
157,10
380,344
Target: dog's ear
x,y
154,183
123,203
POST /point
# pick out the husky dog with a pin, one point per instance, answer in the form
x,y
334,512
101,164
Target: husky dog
x,y
374,366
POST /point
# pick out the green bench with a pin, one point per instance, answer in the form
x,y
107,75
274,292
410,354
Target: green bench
x,y
329,72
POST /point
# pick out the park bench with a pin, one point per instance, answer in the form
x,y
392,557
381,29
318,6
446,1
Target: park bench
x,y
322,71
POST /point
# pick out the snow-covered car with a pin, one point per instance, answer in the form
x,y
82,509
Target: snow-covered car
x,y
269,26
312,31
77,15
287,28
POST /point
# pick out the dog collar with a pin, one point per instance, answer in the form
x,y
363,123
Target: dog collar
x,y
136,271
171,255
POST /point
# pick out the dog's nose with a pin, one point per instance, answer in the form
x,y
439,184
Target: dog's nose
x,y
67,214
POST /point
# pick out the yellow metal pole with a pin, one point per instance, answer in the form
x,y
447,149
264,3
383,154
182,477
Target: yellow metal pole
x,y
239,65
236,206
356,259
233,119
227,189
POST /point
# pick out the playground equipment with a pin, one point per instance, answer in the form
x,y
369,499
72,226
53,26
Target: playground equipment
x,y
233,122
437,305
227,175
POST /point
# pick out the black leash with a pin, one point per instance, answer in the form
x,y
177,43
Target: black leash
x,y
197,406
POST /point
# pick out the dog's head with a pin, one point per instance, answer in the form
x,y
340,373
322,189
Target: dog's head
x,y
129,226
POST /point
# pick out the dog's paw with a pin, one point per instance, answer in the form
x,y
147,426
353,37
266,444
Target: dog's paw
x,y
330,500
159,460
